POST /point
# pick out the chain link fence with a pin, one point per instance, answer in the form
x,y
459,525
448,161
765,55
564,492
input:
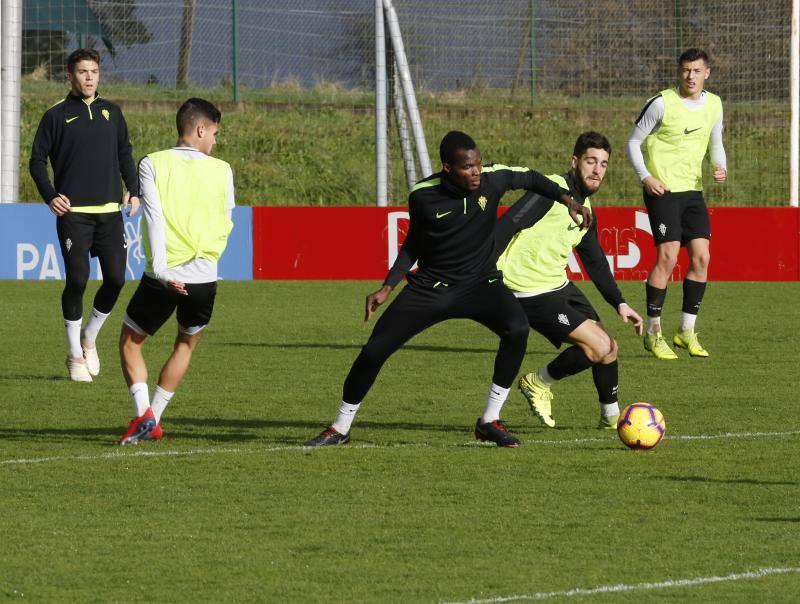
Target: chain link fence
x,y
540,71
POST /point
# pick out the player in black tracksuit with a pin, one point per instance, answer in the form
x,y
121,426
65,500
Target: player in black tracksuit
x,y
86,140
452,237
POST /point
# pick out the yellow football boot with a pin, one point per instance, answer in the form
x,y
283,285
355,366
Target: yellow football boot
x,y
608,422
656,344
688,341
539,397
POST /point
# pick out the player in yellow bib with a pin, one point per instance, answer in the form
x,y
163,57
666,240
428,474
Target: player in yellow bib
x,y
534,269
188,201
676,127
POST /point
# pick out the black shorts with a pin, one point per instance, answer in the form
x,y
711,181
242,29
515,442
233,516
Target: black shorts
x,y
80,233
678,217
153,303
556,314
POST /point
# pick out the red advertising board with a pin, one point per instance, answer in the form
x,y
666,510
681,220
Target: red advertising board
x,y
747,244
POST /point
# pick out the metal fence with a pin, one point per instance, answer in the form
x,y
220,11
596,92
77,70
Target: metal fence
x,y
477,55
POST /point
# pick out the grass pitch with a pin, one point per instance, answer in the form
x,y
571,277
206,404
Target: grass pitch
x,y
230,508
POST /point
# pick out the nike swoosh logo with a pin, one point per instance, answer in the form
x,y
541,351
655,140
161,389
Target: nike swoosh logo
x,y
72,119
443,214
687,131
572,227
492,280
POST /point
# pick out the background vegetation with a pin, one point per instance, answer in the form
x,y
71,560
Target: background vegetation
x,y
289,145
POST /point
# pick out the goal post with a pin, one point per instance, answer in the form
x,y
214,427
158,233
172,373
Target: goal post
x,y
11,59
404,102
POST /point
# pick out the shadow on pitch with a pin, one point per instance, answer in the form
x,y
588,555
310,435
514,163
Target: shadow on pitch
x,y
332,346
12,377
218,430
62,434
777,519
731,480
259,424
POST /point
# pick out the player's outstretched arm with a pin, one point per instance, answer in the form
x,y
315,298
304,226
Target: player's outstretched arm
x,y
375,299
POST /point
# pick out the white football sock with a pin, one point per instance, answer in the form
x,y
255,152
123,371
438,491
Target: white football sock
x,y
140,397
161,399
609,410
344,419
545,376
73,329
93,325
687,321
653,325
494,403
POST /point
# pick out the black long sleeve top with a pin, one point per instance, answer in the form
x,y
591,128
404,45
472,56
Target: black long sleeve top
x,y
451,232
88,146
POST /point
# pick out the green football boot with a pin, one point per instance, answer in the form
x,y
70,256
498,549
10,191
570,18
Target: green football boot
x,y
608,422
688,341
656,344
539,397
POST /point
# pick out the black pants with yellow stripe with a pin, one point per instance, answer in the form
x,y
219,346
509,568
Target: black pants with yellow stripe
x,y
486,301
82,235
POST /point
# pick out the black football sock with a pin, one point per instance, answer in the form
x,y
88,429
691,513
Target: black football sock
x,y
655,300
606,380
693,292
573,360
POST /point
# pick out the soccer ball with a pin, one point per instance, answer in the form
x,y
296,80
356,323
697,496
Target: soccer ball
x,y
641,426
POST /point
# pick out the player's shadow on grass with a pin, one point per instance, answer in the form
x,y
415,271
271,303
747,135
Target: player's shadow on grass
x,y
61,434
731,480
12,377
334,346
253,429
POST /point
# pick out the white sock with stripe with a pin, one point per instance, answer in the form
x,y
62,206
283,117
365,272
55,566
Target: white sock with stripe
x,y
687,321
653,325
93,325
73,329
344,419
494,403
140,398
545,376
160,401
609,410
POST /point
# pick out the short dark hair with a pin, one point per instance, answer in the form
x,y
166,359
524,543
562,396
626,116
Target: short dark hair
x,y
452,142
692,54
193,110
590,140
82,54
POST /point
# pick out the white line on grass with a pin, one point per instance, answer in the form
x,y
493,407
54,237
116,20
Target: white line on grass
x,y
128,454
610,589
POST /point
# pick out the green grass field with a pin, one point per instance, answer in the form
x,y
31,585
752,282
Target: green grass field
x,y
229,507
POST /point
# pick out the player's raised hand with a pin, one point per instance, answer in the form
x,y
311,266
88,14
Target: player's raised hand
x,y
131,203
626,313
720,174
375,299
654,187
59,205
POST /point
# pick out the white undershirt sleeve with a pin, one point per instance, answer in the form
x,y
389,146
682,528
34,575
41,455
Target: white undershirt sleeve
x,y
648,122
154,216
718,156
231,200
